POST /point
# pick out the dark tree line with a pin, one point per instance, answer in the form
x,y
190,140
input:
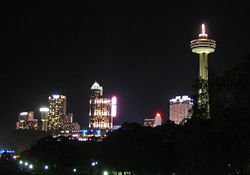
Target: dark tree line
x,y
220,145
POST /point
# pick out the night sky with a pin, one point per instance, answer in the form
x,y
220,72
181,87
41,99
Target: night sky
x,y
139,52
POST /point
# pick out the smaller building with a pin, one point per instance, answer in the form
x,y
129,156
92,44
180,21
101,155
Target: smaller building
x,y
149,122
27,121
68,124
44,118
153,122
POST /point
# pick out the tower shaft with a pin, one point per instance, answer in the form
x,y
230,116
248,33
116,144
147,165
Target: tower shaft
x,y
203,71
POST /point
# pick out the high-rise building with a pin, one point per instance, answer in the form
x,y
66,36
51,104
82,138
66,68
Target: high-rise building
x,y
102,109
153,122
44,118
203,46
180,107
57,109
27,121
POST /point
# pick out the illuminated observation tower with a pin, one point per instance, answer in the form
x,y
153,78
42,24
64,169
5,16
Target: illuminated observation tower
x,y
203,46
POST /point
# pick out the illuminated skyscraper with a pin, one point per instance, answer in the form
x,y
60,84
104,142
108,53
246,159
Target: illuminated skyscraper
x,y
57,109
102,109
44,118
27,121
179,108
203,46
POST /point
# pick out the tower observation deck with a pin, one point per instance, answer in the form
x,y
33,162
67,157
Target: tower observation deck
x,y
203,46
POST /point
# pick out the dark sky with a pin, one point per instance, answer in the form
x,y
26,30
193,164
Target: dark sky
x,y
139,52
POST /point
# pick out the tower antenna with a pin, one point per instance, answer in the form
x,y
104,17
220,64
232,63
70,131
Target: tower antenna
x,y
203,29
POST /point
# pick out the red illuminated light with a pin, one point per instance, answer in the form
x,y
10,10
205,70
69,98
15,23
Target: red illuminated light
x,y
158,114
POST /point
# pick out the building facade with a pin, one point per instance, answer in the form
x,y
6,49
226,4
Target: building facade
x,y
44,112
179,109
102,109
57,109
153,122
27,121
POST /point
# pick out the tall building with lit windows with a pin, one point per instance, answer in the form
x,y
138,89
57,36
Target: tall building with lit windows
x,y
179,109
102,109
57,109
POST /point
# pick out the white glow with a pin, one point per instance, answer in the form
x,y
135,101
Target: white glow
x,y
113,111
96,86
24,113
181,99
105,173
56,96
26,164
102,101
31,166
44,109
46,167
203,29
114,100
113,106
20,162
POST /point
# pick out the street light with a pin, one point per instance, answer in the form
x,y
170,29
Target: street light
x,y
20,162
26,163
105,173
74,170
31,166
46,167
94,163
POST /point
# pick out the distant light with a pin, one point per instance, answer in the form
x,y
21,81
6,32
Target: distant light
x,y
180,99
44,109
46,167
113,106
94,163
74,170
96,86
85,132
98,132
26,163
55,96
20,162
158,114
31,166
24,113
203,31
105,173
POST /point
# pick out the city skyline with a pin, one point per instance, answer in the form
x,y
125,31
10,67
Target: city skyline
x,y
139,53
